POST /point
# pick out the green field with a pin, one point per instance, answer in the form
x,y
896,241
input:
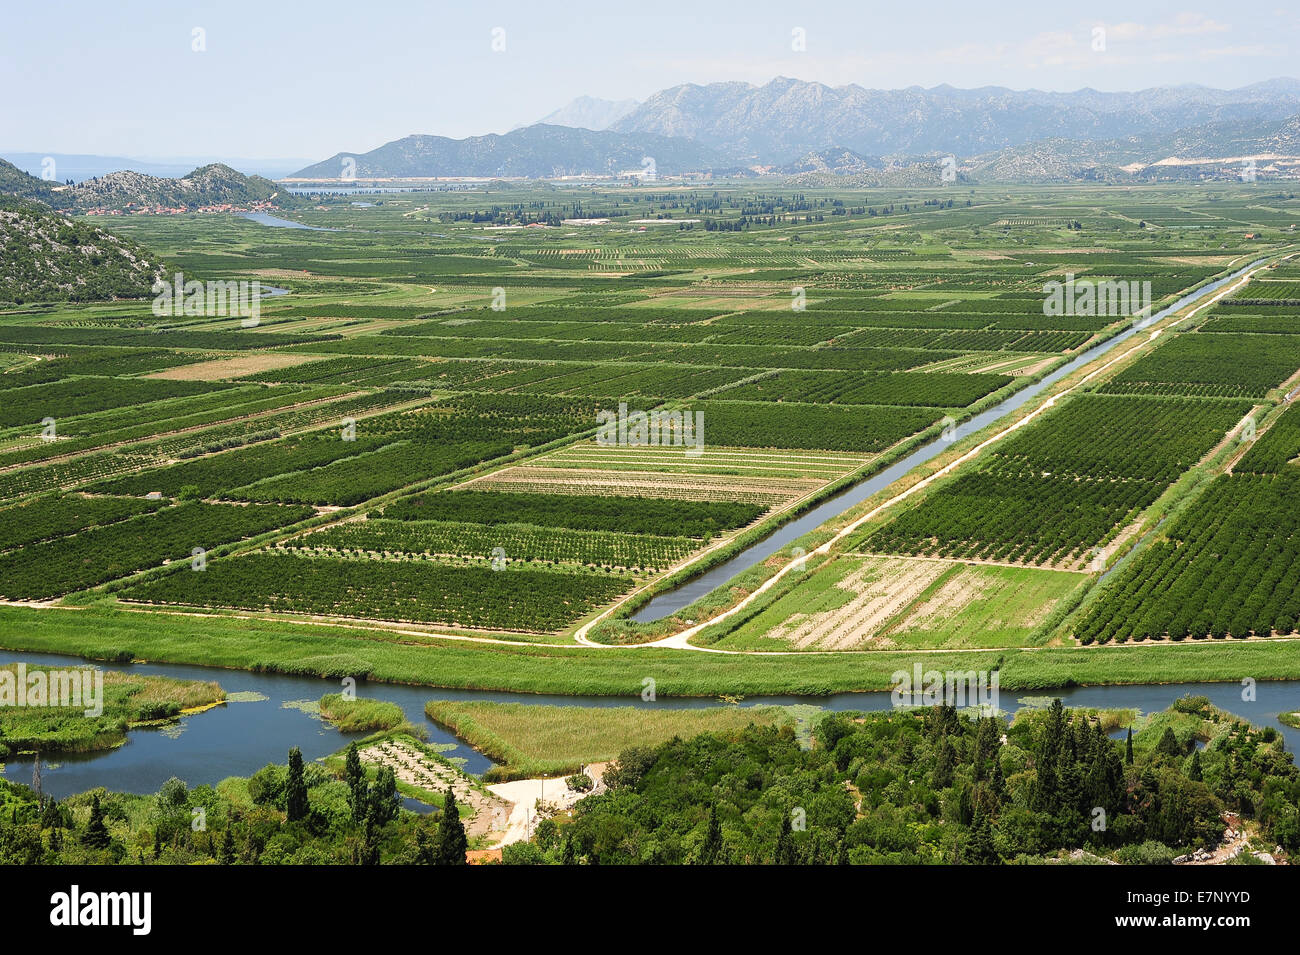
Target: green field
x,y
531,741
892,603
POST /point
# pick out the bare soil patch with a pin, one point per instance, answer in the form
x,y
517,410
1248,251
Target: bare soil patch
x,y
222,368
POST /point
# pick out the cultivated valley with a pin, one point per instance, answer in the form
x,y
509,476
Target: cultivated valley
x,y
749,474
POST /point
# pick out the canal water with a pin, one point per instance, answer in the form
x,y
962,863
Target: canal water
x,y
670,601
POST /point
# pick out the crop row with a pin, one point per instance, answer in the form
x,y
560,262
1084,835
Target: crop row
x,y
52,517
419,591
1278,446
1274,324
1194,363
506,542
773,424
1230,566
100,554
1095,436
75,396
937,390
593,512
1002,516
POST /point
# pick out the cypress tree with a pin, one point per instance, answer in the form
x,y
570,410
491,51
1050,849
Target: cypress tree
x,y
943,765
355,777
295,791
979,849
1128,748
986,746
785,843
1194,771
424,854
712,839
1168,745
96,835
384,802
1053,733
998,782
452,843
227,854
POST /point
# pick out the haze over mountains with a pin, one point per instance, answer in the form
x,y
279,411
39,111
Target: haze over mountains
x,y
589,112
790,123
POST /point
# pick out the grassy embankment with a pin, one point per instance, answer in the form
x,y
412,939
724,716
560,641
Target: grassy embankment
x,y
329,651
532,740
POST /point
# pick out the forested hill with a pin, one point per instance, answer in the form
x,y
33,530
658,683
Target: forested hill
x,y
47,256
15,182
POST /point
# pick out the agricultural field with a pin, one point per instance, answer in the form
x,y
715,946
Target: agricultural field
x,y
419,428
1053,493
891,603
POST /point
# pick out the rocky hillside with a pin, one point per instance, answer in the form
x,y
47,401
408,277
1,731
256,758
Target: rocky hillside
x,y
1206,149
211,185
47,256
813,132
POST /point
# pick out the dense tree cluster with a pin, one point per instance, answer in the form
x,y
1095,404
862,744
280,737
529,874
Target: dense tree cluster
x,y
299,814
932,786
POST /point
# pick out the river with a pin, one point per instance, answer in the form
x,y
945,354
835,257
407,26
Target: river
x,y
238,738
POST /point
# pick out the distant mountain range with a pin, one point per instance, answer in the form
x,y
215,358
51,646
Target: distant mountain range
x,y
806,129
1185,153
786,118
538,151
803,131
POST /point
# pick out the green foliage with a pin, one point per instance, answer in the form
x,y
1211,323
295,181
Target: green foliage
x,y
1178,588
452,843
295,789
100,554
592,512
509,599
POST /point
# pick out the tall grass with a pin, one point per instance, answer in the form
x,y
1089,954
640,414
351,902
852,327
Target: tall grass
x,y
532,740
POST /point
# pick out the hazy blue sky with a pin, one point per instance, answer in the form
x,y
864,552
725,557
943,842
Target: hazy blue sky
x,y
311,79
